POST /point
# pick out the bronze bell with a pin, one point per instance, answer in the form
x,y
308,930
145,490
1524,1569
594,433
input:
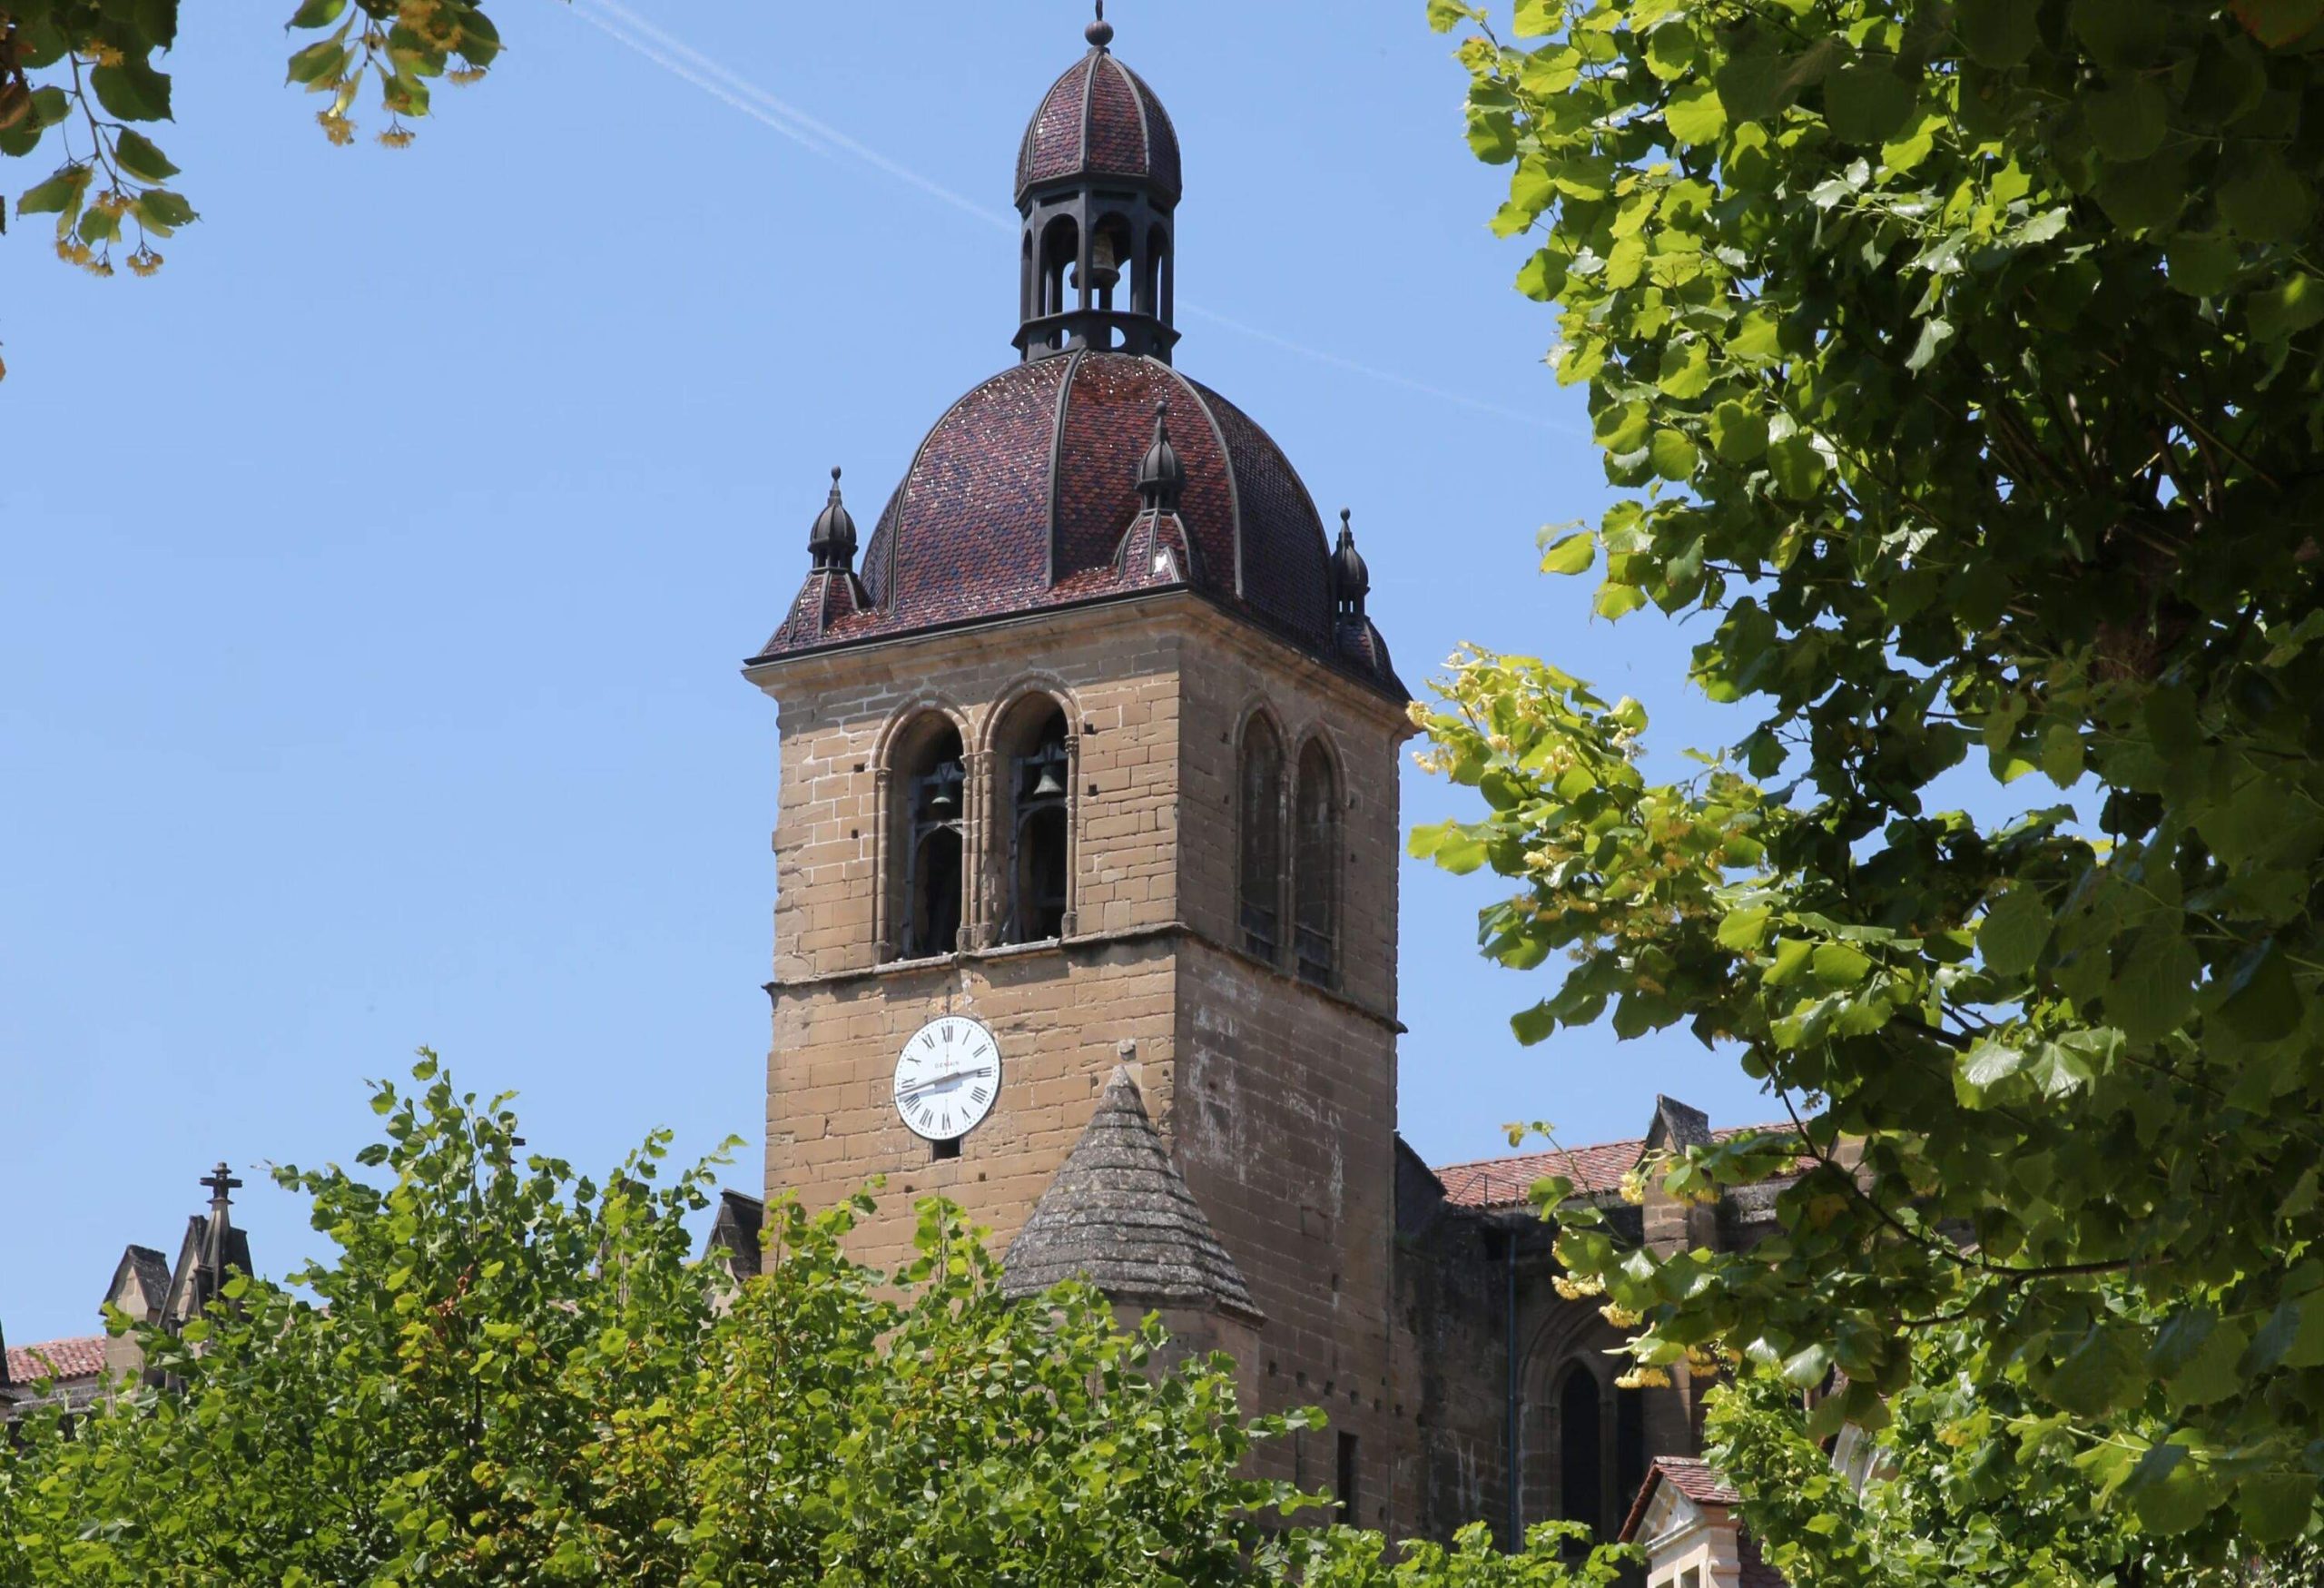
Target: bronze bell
x,y
944,793
1049,782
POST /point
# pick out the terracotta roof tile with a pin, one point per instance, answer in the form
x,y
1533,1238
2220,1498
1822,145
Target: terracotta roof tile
x,y
1100,119
1020,496
84,1357
1508,1182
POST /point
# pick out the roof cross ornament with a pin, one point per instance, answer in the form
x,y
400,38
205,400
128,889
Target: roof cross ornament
x,y
220,1181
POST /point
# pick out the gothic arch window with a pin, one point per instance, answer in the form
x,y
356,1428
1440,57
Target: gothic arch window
x,y
1033,839
928,782
1581,1494
1259,808
1315,867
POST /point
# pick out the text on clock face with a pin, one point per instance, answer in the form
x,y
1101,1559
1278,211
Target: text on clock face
x,y
946,1077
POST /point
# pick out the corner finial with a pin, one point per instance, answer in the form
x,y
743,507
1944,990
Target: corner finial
x,y
832,541
1160,476
1099,32
1351,579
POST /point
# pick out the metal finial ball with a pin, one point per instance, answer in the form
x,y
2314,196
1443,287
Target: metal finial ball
x,y
1099,32
1345,513
834,474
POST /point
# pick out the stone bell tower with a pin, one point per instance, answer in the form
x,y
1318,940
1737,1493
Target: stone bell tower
x,y
1088,838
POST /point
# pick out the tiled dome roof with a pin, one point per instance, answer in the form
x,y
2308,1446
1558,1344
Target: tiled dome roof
x,y
1100,119
1025,493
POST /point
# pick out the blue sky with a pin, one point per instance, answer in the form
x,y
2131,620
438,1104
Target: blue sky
x,y
376,575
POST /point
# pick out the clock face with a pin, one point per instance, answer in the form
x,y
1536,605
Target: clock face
x,y
946,1077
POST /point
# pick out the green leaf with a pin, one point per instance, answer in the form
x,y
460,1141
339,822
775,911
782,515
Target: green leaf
x,y
1674,455
1935,334
1572,555
136,156
1737,434
2277,22
2275,1506
2105,1371
2012,936
1744,930
2062,753
2263,200
59,194
317,14
2203,266
132,91
1797,468
2284,312
1672,52
2129,120
1792,954
1613,601
2156,992
1867,103
1686,371
2264,1004
1837,964
1695,115
164,211
1987,1063
1997,33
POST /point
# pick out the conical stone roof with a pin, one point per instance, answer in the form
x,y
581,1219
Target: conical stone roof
x,y
1118,1214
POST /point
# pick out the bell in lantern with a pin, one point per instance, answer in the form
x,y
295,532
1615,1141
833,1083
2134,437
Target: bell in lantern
x,y
1050,784
1104,262
944,793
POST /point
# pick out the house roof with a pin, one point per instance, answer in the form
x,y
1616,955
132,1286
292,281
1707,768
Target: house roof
x,y
1699,1482
1119,1214
83,1356
1100,119
1508,1182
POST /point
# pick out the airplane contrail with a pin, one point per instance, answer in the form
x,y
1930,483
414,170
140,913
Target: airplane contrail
x,y
681,59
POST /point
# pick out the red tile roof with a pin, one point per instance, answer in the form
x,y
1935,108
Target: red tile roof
x,y
1690,1476
78,1358
1020,496
1508,1182
1100,119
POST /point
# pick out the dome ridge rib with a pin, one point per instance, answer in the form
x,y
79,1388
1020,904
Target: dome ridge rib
x,y
1057,459
1234,490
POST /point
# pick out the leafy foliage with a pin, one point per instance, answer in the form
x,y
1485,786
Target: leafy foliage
x,y
1964,360
510,1375
1968,1486
75,74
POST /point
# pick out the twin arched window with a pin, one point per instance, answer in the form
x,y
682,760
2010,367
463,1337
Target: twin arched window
x,y
1315,872
1022,826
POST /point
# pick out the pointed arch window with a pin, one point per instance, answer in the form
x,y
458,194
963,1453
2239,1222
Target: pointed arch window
x,y
1261,842
1316,868
931,781
1581,1453
1037,763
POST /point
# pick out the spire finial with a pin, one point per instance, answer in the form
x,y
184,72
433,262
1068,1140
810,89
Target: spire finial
x,y
1099,32
1351,579
832,540
1160,475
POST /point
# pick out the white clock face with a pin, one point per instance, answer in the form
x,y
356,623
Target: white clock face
x,y
946,1077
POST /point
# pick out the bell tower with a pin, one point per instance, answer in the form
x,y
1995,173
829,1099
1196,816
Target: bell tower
x,y
1088,838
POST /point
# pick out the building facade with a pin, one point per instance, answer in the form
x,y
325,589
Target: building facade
x,y
1087,864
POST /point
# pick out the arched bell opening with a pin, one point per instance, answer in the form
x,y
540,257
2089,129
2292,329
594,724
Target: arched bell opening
x,y
1033,761
1060,252
1154,296
927,777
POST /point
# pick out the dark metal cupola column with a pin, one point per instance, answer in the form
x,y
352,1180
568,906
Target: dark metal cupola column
x,y
1097,190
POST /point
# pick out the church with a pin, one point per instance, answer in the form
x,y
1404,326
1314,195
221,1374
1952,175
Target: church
x,y
1085,919
1086,848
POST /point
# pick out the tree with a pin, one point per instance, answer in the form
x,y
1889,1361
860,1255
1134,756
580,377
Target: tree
x,y
74,75
511,1375
1963,361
